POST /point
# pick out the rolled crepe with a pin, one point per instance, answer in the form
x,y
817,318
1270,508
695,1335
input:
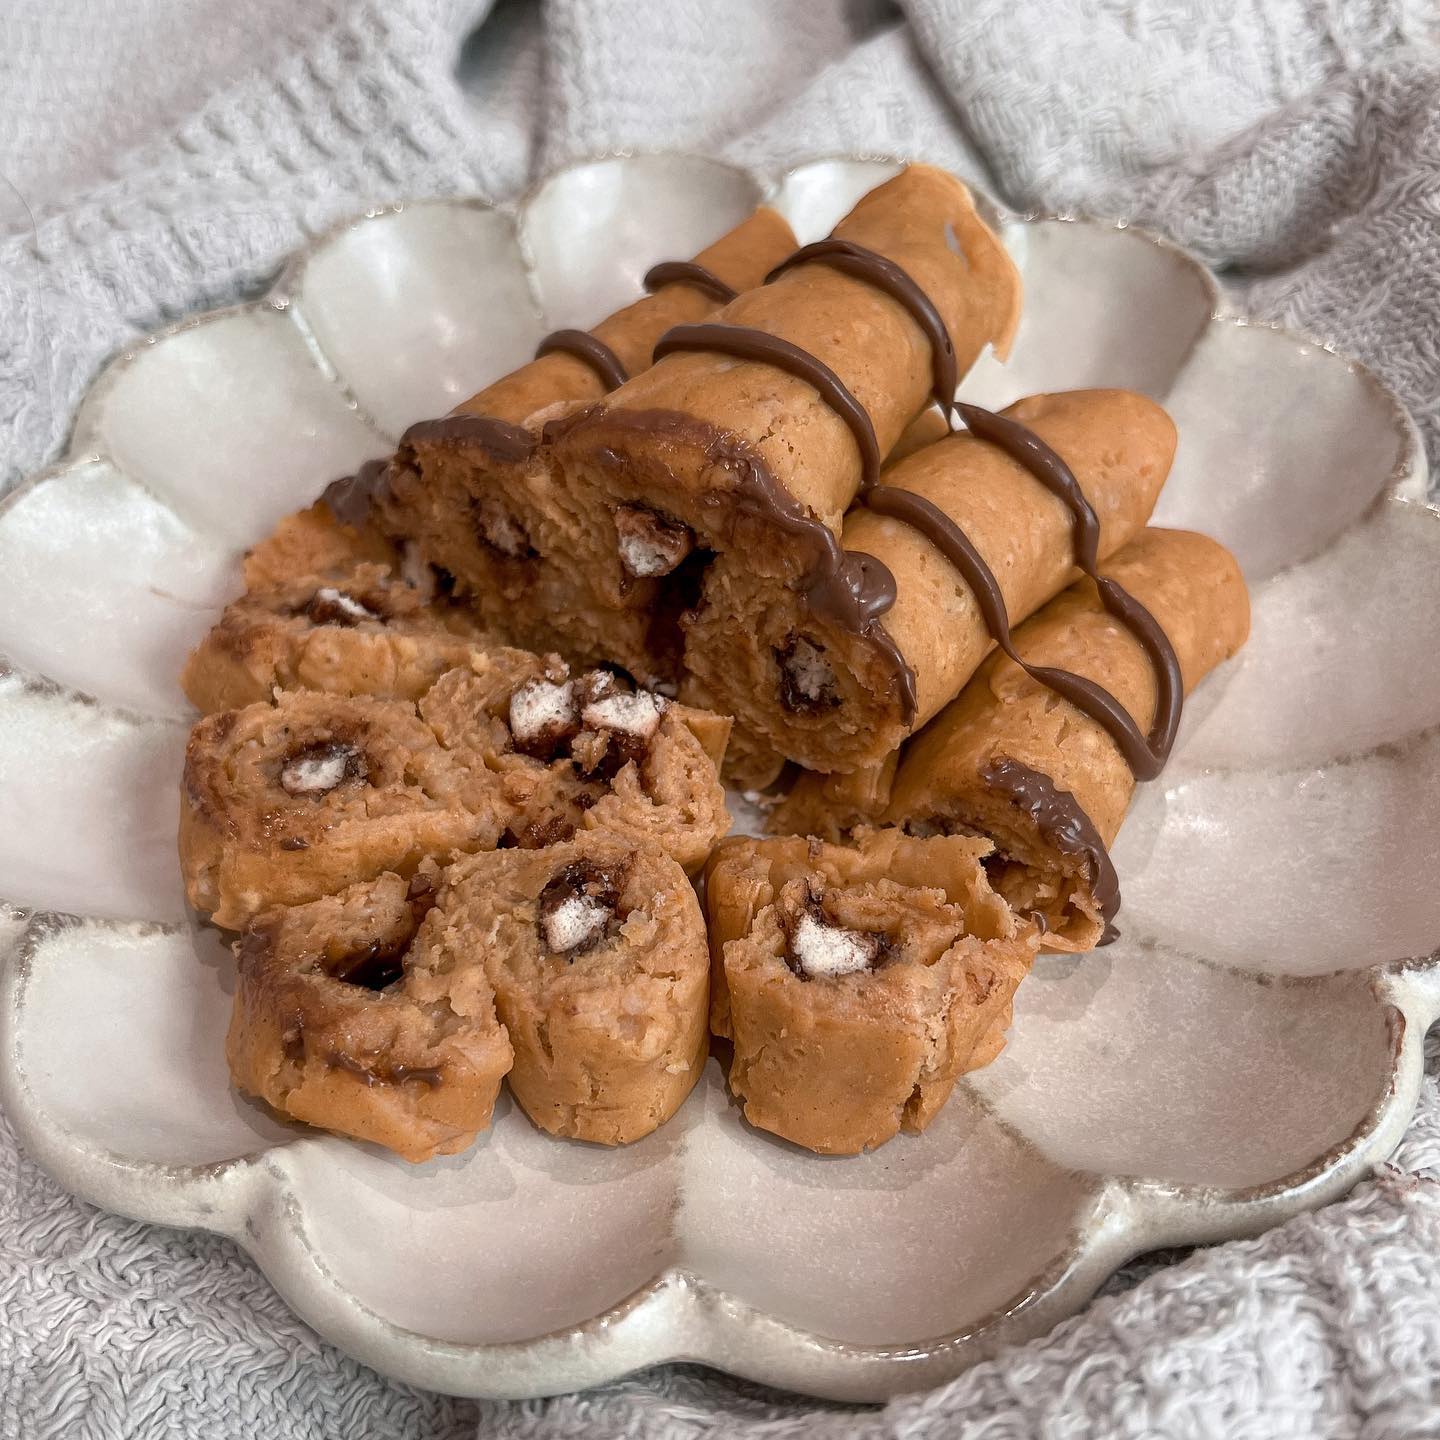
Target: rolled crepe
x,y
708,453
829,694
829,807
359,631
283,803
289,801
363,1013
1193,587
1046,830
314,541
596,952
858,984
469,491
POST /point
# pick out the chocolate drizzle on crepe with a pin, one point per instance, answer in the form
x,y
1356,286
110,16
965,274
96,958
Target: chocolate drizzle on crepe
x,y
1145,755
854,590
349,499
869,266
500,438
1061,823
746,343
691,273
587,347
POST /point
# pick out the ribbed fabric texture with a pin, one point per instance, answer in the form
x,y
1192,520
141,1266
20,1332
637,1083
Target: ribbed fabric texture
x,y
165,155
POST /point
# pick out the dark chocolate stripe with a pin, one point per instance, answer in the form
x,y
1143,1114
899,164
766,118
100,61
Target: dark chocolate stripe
x,y
349,499
745,343
1061,823
861,263
955,545
688,272
1146,755
501,439
584,346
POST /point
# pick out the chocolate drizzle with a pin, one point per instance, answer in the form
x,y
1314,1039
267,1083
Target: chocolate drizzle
x,y
1145,755
349,499
688,272
861,263
585,346
1061,823
955,545
745,343
501,439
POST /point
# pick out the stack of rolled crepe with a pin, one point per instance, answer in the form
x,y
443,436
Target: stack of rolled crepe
x,y
1011,760
773,516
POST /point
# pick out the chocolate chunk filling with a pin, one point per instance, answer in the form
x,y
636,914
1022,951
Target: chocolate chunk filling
x,y
819,949
579,908
595,685
331,606
651,544
544,718
807,683
317,769
292,1041
376,967
498,527
618,729
537,834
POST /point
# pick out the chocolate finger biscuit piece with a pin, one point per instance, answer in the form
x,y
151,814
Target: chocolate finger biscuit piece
x,y
585,752
361,631
596,952
357,1013
1011,760
857,983
835,695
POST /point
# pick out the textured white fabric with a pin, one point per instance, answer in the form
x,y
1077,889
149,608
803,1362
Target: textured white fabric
x,y
164,155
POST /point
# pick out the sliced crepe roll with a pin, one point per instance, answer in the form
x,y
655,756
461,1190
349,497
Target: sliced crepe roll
x,y
287,801
359,1014
356,631
857,983
596,952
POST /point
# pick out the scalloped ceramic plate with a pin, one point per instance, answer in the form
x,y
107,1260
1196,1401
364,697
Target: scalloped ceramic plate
x,y
1251,1047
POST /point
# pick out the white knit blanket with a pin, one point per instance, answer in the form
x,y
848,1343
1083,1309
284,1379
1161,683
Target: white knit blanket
x,y
159,156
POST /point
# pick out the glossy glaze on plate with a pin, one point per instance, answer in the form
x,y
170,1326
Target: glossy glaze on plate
x,y
1250,1047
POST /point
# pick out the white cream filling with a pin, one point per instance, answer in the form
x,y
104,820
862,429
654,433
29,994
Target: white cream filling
x,y
643,559
502,529
347,605
539,706
311,773
809,671
638,714
575,922
826,950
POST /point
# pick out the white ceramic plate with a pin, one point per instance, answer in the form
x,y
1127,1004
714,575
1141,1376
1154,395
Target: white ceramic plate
x,y
1251,1047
